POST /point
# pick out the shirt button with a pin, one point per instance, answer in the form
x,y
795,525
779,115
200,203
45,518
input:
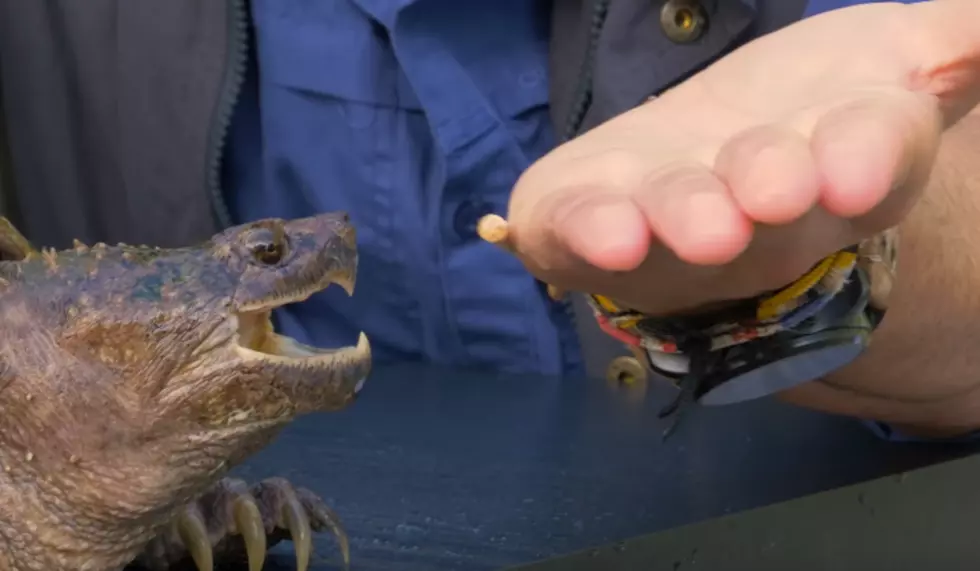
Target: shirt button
x,y
683,21
467,215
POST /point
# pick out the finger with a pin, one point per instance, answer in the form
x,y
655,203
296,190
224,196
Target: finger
x,y
771,174
866,149
569,213
944,43
605,230
694,214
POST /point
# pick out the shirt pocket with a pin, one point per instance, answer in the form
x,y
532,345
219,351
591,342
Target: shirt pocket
x,y
333,109
518,88
329,49
507,61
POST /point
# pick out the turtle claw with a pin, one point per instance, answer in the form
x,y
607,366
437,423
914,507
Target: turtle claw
x,y
301,513
298,524
248,523
327,518
235,523
193,532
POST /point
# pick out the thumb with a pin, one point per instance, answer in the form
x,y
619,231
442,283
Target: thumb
x,y
943,50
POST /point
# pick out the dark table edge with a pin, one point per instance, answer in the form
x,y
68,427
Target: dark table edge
x,y
923,519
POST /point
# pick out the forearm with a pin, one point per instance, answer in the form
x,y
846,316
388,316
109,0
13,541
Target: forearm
x,y
922,371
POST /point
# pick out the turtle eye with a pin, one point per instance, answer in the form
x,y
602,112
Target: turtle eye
x,y
268,246
269,254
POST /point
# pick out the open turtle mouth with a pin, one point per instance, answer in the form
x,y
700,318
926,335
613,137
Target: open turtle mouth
x,y
258,340
256,334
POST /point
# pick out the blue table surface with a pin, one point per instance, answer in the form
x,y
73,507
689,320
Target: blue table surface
x,y
469,471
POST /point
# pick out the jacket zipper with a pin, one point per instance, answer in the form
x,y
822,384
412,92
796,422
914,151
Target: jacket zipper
x,y
581,102
231,83
583,87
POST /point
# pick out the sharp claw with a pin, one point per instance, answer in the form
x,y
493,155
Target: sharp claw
x,y
328,516
248,520
299,528
194,533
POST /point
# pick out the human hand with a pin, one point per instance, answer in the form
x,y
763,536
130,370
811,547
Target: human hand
x,y
738,180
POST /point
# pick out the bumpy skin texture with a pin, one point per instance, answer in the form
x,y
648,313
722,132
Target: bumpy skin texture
x,y
133,378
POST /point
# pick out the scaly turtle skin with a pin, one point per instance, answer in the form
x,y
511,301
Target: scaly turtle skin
x,y
133,378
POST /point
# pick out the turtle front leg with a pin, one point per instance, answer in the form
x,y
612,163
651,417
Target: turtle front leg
x,y
234,523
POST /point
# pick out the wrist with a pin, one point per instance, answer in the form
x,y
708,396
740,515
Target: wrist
x,y
762,345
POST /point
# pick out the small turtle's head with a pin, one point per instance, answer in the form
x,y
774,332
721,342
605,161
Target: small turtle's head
x,y
278,263
183,337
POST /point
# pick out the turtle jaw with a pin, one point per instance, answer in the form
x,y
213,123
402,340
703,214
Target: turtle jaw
x,y
321,377
257,339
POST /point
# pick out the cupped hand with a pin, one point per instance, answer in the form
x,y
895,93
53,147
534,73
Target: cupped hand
x,y
738,180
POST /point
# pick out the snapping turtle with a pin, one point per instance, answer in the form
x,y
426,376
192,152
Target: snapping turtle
x,y
133,378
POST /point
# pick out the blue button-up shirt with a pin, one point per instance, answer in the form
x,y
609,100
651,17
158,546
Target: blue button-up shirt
x,y
416,117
